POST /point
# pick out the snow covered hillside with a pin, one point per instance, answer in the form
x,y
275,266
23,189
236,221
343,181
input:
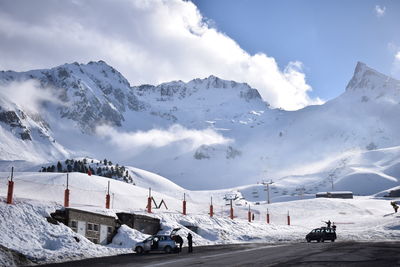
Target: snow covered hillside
x,y
211,133
24,228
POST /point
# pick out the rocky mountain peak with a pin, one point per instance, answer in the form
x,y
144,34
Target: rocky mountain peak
x,y
365,77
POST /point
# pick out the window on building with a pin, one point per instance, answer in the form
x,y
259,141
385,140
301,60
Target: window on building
x,y
95,240
96,227
109,229
74,226
90,226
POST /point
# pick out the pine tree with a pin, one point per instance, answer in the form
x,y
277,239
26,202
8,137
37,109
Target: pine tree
x,y
105,162
59,167
75,168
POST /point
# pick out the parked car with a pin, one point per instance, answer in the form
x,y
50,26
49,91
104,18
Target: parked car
x,y
321,234
158,243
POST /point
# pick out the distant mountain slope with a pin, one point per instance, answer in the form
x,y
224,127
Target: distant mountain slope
x,y
166,128
25,136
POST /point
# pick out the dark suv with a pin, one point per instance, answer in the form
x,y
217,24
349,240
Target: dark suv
x,y
321,234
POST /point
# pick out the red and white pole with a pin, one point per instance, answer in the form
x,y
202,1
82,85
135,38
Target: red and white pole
x,y
267,216
149,201
10,191
288,218
66,195
231,211
108,196
211,209
249,214
184,204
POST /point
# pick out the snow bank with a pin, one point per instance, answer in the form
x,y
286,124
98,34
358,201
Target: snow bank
x,y
24,228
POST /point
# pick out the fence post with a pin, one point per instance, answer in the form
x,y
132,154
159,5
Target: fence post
x,y
149,201
66,194
184,204
108,196
211,209
231,211
10,191
267,216
288,218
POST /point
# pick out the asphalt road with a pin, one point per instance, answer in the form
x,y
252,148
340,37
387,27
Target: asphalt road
x,y
299,254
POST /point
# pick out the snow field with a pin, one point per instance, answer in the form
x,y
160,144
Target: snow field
x,y
24,227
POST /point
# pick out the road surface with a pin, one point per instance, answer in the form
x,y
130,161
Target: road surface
x,y
299,254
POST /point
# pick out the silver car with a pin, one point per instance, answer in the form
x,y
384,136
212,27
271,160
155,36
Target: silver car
x,y
157,243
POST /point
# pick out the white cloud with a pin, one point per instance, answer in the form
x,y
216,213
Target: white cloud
x,y
187,139
380,11
396,65
148,41
29,95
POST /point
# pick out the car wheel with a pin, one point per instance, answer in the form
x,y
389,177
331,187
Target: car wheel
x,y
319,240
168,249
322,240
332,240
139,250
308,240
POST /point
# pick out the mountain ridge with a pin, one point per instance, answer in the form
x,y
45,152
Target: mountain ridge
x,y
261,139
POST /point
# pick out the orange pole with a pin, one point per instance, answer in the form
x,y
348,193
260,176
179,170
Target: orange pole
x,y
66,198
267,217
288,218
107,201
66,194
10,192
184,204
231,215
249,216
149,202
108,196
211,210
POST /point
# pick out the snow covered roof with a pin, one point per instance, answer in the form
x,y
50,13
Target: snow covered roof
x,y
335,193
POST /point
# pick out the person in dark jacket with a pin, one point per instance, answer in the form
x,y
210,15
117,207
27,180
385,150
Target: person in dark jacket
x,y
190,242
394,205
328,224
178,239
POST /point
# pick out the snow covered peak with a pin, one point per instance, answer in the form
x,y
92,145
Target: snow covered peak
x,y
367,78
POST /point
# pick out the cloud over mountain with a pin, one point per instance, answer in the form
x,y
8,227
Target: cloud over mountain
x,y
148,41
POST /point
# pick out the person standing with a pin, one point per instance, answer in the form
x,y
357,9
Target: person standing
x,y
190,242
179,240
328,224
395,206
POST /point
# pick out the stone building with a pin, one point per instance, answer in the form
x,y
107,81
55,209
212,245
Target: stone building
x,y
335,194
98,228
145,224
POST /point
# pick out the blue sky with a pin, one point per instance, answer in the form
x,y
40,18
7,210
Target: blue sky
x,y
328,37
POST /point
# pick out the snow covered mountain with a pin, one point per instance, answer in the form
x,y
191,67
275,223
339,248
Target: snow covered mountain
x,y
213,133
25,136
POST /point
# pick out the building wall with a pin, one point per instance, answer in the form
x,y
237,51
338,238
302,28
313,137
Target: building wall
x,y
93,223
145,224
